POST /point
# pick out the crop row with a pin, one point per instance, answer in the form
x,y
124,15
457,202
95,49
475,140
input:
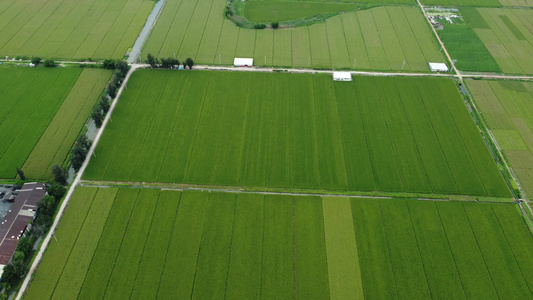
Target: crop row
x,y
506,107
507,34
379,38
72,29
57,140
384,134
200,244
42,114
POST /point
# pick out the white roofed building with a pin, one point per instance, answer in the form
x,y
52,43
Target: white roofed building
x,y
342,76
243,62
438,67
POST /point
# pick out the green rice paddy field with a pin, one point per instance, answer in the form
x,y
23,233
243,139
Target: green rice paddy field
x,y
295,131
507,108
42,113
380,38
70,29
129,243
507,34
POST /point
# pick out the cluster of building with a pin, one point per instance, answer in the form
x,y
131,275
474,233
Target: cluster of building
x,y
17,221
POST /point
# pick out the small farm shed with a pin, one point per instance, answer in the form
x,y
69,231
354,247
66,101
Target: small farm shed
x,y
342,76
243,62
438,67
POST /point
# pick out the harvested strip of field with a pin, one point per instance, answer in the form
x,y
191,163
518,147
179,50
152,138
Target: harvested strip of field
x,y
336,44
263,246
507,109
372,134
96,29
43,111
343,261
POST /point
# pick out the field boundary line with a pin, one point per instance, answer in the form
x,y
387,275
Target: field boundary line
x,y
461,133
178,110
35,105
480,252
121,242
510,248
424,267
198,124
275,191
136,103
74,244
159,94
386,120
417,146
388,247
450,248
200,243
97,245
230,246
64,204
145,242
168,246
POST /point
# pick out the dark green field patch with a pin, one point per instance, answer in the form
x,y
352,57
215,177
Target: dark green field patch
x,y
467,49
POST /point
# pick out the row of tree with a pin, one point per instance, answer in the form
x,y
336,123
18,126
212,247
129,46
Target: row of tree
x,y
121,69
48,63
168,63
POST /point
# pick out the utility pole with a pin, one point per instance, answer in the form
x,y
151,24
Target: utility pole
x,y
403,64
309,61
354,61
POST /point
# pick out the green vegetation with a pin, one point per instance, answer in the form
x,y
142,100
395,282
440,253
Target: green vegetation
x,y
74,30
43,111
174,243
507,34
278,11
382,38
506,109
372,134
467,49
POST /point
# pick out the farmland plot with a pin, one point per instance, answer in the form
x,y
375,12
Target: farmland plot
x,y
43,111
402,35
373,134
182,244
95,29
507,108
507,34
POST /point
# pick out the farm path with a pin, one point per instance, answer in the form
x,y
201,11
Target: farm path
x,y
236,190
440,41
363,73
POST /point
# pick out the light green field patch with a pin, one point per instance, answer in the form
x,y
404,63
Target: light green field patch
x,y
341,248
511,102
379,38
43,111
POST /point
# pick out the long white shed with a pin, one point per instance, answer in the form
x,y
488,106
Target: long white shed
x,y
243,62
342,76
438,67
